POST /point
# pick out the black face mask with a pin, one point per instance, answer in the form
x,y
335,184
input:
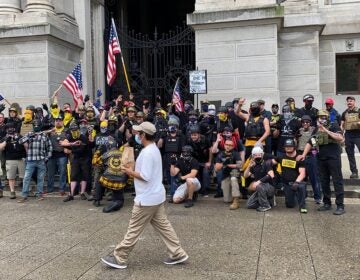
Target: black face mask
x,y
255,111
186,156
111,128
258,160
205,107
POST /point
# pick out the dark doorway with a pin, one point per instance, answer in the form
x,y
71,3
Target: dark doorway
x,y
157,46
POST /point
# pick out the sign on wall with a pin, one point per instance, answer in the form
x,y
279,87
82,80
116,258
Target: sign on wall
x,y
198,82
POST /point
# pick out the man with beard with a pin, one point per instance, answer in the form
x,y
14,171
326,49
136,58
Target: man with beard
x,y
229,162
185,168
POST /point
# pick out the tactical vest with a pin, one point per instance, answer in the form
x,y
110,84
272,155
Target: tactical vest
x,y
112,161
304,138
255,129
352,120
323,138
172,144
102,140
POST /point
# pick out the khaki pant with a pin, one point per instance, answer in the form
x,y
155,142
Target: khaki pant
x,y
230,188
140,217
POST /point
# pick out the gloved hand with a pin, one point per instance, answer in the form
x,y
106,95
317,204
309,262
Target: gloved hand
x,y
295,186
87,98
173,159
2,107
45,107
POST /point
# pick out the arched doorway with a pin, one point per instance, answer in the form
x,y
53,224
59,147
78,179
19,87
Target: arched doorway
x,y
157,47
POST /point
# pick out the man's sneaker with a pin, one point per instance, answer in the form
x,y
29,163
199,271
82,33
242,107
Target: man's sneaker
x,y
263,208
24,199
112,261
354,176
339,210
303,210
171,261
1,193
83,196
189,203
12,195
68,198
324,207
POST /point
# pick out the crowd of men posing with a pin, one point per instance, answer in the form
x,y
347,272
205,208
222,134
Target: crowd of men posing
x,y
252,152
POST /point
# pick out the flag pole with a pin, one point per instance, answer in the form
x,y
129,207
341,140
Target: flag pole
x,y
7,102
122,58
56,91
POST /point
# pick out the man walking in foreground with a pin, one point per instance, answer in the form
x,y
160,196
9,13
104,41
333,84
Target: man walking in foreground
x,y
148,203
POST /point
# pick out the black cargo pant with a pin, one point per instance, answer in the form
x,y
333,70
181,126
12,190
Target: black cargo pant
x,y
331,168
262,197
295,196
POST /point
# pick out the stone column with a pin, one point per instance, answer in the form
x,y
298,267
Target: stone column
x,y
10,6
39,6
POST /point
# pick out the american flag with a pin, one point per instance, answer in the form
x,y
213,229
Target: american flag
x,y
74,85
114,48
176,97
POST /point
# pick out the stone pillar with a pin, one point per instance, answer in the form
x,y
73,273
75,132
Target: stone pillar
x,y
39,6
10,6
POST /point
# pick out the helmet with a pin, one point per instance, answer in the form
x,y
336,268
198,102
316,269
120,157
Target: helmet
x,y
308,97
12,109
289,143
211,109
39,110
257,150
113,118
289,100
306,118
73,126
194,129
222,109
90,108
30,107
254,105
323,113
187,149
229,104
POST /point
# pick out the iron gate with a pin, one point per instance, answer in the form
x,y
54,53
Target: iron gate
x,y
154,64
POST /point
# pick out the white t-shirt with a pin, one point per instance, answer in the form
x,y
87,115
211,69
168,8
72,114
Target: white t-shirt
x,y
151,191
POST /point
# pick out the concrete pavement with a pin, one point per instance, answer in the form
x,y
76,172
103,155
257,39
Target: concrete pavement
x,y
51,239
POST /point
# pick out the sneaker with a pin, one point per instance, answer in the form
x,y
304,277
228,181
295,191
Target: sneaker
x,y
263,208
68,198
24,199
339,211
325,207
354,176
171,261
303,210
112,262
189,203
83,196
12,195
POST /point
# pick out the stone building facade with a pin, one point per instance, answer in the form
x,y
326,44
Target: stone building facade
x,y
262,49
250,48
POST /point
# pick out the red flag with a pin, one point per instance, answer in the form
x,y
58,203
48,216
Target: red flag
x,y
176,98
114,48
73,83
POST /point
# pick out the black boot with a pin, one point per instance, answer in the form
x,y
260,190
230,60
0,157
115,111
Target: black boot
x,y
113,206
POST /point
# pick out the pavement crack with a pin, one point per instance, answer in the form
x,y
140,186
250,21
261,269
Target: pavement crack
x,y
308,245
260,244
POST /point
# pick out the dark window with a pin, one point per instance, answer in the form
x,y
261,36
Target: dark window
x,y
348,74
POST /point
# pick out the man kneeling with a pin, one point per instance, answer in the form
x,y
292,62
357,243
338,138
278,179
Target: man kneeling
x,y
261,173
185,169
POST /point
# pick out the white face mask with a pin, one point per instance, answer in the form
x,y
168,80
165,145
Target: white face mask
x,y
137,139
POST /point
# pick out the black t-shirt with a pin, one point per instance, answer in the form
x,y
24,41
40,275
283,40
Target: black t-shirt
x,y
186,166
261,169
82,150
14,150
289,168
232,158
201,149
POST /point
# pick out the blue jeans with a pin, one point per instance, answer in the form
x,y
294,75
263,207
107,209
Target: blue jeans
x,y
53,165
29,170
313,173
